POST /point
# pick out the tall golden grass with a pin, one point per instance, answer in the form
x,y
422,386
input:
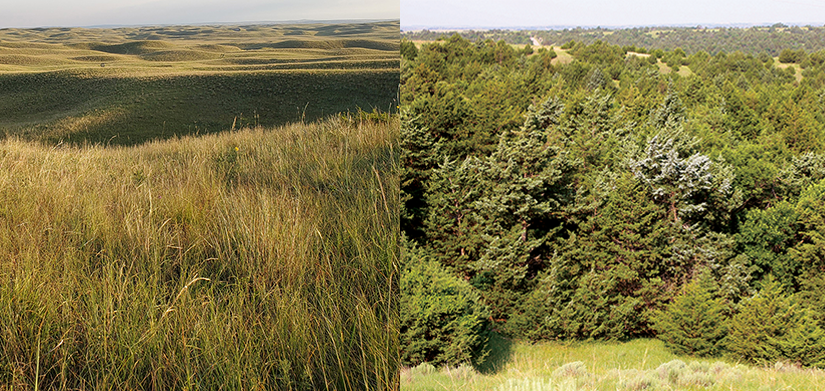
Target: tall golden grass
x,y
256,259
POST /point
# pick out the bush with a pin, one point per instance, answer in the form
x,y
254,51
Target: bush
x,y
408,50
772,327
787,56
569,45
443,321
694,323
572,369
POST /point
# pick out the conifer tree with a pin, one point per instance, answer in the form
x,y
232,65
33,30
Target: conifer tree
x,y
525,185
764,238
772,326
620,262
695,322
695,190
443,321
809,252
671,112
452,226
420,153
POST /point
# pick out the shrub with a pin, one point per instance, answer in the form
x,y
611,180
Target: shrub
x,y
408,50
571,369
529,384
791,56
443,321
694,323
772,326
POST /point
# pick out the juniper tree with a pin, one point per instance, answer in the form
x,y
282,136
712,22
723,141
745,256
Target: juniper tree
x,y
695,322
525,185
617,264
670,114
773,326
764,238
443,321
694,189
452,225
420,153
809,252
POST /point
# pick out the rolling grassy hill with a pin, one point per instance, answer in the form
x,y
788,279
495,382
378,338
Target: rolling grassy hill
x,y
172,215
130,85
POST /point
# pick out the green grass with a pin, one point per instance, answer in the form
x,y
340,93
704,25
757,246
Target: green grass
x,y
93,106
634,365
263,258
130,85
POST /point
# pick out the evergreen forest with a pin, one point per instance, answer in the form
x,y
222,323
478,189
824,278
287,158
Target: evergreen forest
x,y
611,192
754,40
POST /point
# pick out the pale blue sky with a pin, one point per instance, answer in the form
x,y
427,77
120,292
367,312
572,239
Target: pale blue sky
x,y
70,13
511,13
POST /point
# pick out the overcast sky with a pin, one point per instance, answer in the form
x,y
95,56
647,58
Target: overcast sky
x,y
592,13
72,13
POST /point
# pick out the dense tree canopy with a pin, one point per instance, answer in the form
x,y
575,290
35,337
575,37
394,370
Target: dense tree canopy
x,y
758,39
581,198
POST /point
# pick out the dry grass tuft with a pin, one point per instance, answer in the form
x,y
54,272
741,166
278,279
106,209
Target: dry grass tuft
x,y
256,259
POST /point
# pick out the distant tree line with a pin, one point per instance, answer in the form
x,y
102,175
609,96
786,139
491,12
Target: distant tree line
x,y
603,198
753,40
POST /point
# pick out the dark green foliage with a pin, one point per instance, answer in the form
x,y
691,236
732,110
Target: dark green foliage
x,y
756,40
809,251
522,184
695,322
740,118
420,152
442,320
408,50
623,258
583,215
772,326
765,237
453,232
756,169
798,127
787,56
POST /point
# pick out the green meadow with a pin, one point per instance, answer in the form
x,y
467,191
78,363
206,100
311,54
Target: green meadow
x,y
641,364
199,208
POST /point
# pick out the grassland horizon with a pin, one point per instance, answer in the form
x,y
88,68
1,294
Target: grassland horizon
x,y
126,86
200,207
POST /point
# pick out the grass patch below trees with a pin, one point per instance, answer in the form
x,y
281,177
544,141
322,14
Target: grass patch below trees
x,y
642,364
